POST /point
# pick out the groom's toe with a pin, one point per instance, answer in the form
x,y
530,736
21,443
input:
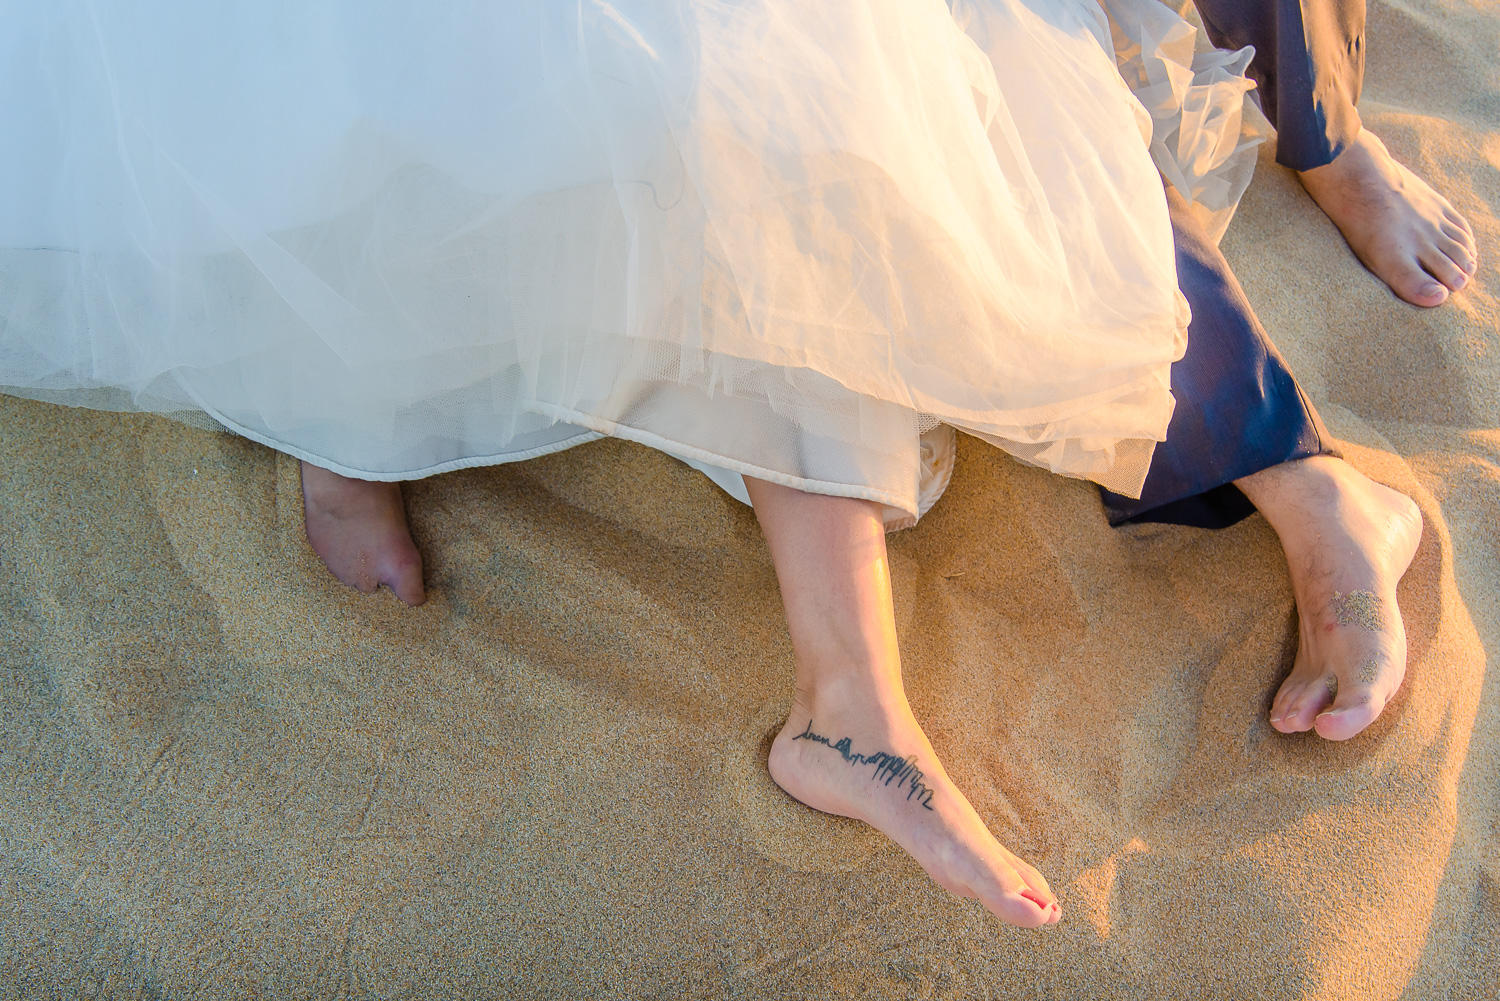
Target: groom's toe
x,y
1360,700
1343,719
1300,700
1444,268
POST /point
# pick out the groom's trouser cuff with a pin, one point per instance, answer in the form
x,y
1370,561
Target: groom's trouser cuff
x,y
1239,410
1309,66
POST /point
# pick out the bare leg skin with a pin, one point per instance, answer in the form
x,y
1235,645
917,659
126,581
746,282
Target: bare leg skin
x,y
1348,540
359,529
1403,230
851,745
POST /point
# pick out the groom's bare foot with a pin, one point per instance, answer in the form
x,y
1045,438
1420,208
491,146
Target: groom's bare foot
x,y
1348,540
865,757
359,529
1403,230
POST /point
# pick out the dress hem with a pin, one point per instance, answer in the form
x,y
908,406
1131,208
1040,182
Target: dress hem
x,y
586,435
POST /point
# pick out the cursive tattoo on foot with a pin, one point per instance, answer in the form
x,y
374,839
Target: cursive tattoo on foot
x,y
888,767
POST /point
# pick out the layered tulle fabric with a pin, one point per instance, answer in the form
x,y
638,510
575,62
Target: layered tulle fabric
x,y
776,237
1196,101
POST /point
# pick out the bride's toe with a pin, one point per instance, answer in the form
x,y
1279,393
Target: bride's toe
x,y
1021,906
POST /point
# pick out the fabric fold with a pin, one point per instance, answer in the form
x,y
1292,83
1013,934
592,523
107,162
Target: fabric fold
x,y
774,236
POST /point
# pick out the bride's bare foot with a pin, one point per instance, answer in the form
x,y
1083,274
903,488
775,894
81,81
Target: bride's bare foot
x,y
853,756
359,529
1348,540
1403,230
851,746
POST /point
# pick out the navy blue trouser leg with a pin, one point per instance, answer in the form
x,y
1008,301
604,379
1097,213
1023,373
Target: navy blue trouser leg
x,y
1309,66
1239,410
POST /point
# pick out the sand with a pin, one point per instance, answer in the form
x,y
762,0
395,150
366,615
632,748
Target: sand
x,y
223,774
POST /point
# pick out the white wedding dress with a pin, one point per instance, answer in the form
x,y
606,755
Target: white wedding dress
x,y
777,238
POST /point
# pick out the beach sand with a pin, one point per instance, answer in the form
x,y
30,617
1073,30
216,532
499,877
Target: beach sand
x,y
224,774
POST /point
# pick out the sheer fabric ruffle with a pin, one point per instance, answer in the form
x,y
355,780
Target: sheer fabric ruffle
x,y
777,238
1196,100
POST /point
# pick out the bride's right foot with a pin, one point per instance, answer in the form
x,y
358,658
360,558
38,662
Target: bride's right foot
x,y
358,528
856,757
851,746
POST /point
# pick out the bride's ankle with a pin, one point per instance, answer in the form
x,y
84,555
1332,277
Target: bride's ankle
x,y
329,493
848,695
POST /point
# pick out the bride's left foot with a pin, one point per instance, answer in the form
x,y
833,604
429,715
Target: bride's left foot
x,y
359,529
1348,540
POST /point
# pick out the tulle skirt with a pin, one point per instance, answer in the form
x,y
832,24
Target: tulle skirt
x,y
780,238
